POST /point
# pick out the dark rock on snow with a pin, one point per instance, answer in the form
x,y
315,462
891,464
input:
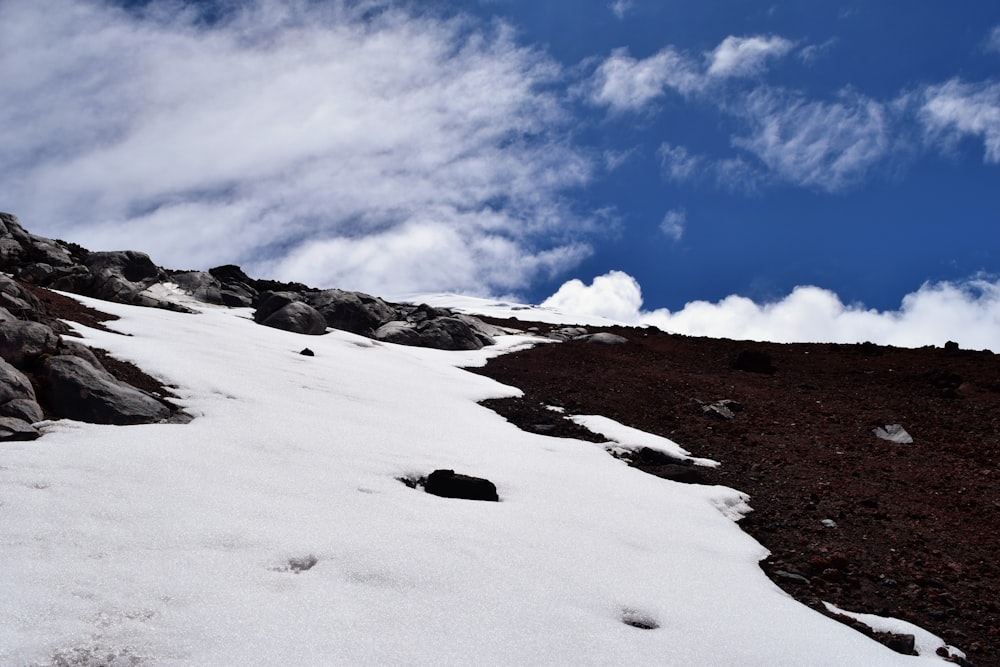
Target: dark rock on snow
x,y
356,312
12,428
93,395
297,317
449,484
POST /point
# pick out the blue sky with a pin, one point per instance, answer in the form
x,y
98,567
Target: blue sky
x,y
679,152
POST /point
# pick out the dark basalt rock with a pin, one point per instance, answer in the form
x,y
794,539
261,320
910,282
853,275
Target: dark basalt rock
x,y
356,312
17,395
12,428
79,391
297,317
22,342
449,484
200,285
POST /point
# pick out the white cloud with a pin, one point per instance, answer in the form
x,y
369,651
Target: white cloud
x,y
286,136
826,145
745,56
954,110
674,223
993,40
967,312
620,8
615,295
678,164
623,83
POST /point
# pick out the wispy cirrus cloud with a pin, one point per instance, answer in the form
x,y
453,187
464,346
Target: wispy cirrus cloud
x,y
825,145
623,83
626,84
967,312
621,8
955,109
746,56
674,223
357,145
992,43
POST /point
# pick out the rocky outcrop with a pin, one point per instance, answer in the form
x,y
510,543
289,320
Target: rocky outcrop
x,y
356,312
93,395
128,276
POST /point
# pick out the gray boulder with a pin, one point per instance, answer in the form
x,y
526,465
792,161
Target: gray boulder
x,y
17,396
269,303
22,342
24,409
603,338
201,285
17,429
79,391
442,333
351,311
75,349
122,275
297,317
18,301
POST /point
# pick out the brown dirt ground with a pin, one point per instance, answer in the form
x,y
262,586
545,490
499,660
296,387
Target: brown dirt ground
x,y
917,525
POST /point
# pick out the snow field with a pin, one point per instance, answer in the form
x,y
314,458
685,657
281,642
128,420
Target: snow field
x,y
170,544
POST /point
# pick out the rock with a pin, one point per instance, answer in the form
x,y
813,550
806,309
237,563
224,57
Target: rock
x,y
22,342
352,311
567,333
75,349
297,317
603,338
724,409
79,391
306,352
269,303
399,332
675,472
25,409
18,301
753,361
442,333
17,396
449,484
893,433
201,285
12,428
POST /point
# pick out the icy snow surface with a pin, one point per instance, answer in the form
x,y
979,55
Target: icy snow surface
x,y
186,544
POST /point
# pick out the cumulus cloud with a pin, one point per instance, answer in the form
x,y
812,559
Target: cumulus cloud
x,y
615,295
674,223
827,145
337,144
967,312
745,56
956,109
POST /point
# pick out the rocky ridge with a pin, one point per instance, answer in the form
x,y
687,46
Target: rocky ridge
x,y
43,373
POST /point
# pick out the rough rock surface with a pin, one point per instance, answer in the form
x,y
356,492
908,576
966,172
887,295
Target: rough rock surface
x,y
916,533
297,317
93,395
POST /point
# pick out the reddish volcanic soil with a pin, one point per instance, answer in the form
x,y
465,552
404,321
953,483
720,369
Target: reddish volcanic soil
x,y
917,526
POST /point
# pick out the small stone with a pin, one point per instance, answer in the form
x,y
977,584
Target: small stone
x,y
306,352
829,523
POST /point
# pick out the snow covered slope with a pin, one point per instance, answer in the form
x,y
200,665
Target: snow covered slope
x,y
181,544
